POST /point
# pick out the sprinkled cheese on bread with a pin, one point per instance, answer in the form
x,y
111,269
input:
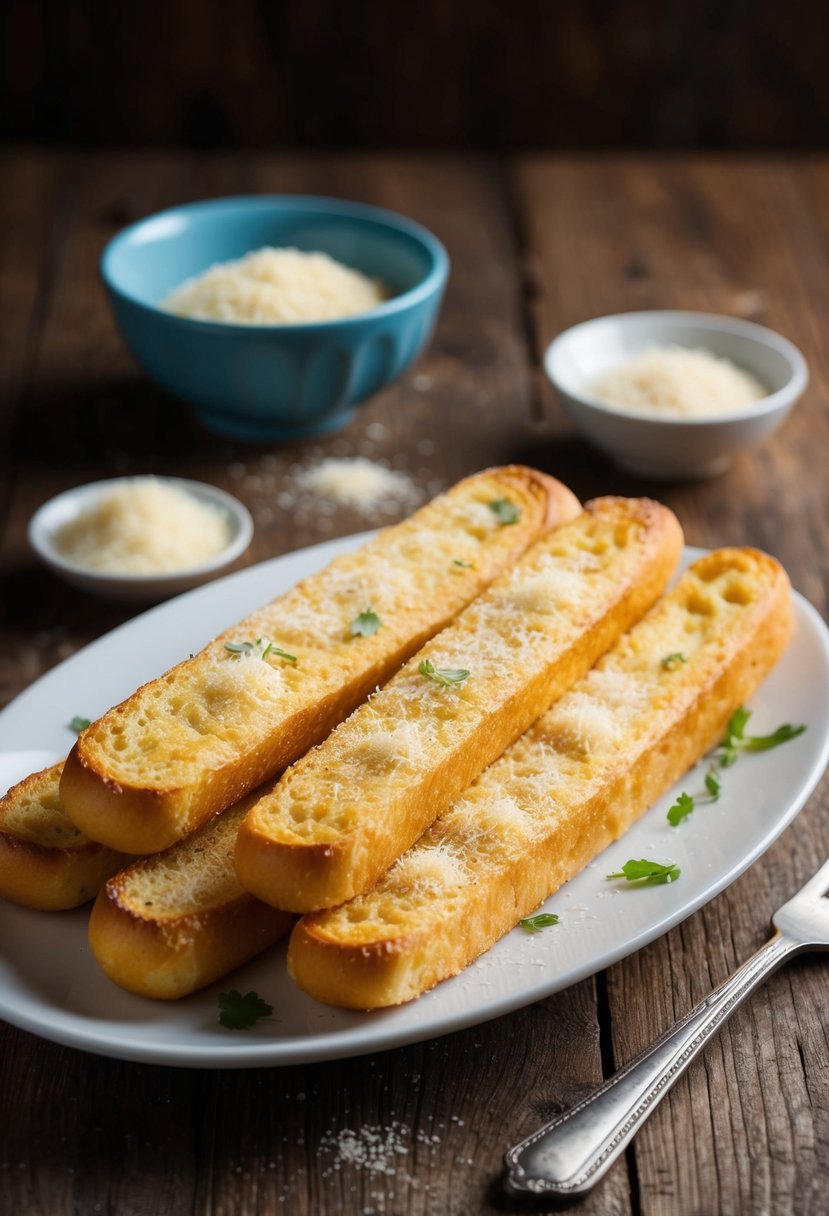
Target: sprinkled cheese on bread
x,y
568,787
340,816
196,740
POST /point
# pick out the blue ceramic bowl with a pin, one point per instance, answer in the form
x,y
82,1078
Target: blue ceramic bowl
x,y
264,382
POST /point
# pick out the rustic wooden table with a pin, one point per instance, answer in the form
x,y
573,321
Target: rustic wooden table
x,y
537,243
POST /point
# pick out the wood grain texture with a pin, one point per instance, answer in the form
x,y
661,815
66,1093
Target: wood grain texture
x,y
537,243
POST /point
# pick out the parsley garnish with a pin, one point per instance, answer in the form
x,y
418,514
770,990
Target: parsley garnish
x,y
79,724
736,740
450,676
683,806
672,661
462,565
237,1012
279,652
543,920
263,645
647,872
685,803
505,512
365,624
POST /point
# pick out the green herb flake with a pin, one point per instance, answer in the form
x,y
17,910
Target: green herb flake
x,y
543,920
762,743
683,807
672,661
736,740
264,646
237,1012
451,677
462,565
685,803
713,785
737,723
272,648
647,872
505,512
366,624
78,724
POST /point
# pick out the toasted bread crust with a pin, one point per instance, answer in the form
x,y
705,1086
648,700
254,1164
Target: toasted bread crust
x,y
310,844
140,802
391,945
158,943
45,863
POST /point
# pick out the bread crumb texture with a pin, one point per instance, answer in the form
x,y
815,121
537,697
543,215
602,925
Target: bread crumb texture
x,y
194,876
31,810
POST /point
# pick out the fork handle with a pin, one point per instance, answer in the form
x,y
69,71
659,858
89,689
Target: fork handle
x,y
569,1155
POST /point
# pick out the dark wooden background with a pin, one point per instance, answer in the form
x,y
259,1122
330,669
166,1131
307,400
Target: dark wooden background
x,y
434,73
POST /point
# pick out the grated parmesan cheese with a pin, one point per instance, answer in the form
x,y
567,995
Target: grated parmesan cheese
x,y
276,287
143,527
676,382
356,482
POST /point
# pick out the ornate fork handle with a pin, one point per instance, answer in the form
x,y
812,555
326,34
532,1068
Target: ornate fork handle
x,y
569,1155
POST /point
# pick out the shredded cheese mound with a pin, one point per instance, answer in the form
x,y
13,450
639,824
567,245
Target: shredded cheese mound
x,y
143,527
676,382
276,287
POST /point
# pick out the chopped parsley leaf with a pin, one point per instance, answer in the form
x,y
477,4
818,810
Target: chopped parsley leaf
x,y
366,624
237,1012
647,872
505,512
542,920
672,661
452,677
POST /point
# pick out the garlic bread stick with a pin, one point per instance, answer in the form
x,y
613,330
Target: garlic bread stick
x,y
196,740
572,784
340,816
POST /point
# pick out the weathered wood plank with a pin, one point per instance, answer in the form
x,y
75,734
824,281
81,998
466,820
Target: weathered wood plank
x,y
746,1129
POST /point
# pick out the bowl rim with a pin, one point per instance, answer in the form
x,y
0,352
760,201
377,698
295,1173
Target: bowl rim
x,y
41,533
761,334
433,281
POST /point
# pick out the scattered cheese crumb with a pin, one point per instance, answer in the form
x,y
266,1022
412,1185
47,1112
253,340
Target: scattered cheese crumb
x,y
357,483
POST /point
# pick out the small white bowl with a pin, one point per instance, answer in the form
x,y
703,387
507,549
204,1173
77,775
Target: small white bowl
x,y
667,447
48,519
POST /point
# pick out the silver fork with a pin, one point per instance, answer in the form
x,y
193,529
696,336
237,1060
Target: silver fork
x,y
570,1154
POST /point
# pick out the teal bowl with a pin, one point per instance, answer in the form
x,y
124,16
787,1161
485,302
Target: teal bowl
x,y
266,382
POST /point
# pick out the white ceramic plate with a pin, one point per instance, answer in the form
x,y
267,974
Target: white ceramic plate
x,y
50,985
